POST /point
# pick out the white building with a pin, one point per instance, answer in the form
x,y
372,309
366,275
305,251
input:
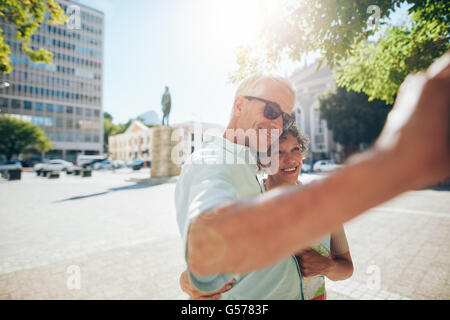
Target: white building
x,y
308,84
136,141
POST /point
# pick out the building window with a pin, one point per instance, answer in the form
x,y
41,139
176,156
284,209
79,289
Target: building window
x,y
15,104
97,113
49,108
59,122
78,137
38,120
69,109
59,108
3,103
38,106
48,122
87,137
79,111
69,123
88,112
27,105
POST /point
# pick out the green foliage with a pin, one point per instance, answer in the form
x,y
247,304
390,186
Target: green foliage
x,y
16,136
109,128
339,30
27,16
107,115
351,117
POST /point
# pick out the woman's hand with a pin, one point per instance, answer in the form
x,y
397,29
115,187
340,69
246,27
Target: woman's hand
x,y
195,294
312,263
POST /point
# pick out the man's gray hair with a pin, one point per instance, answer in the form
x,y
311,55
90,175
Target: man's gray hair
x,y
255,85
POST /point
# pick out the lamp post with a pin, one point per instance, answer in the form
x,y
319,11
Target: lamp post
x,y
4,85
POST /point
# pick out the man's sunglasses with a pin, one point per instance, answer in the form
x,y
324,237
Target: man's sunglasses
x,y
272,111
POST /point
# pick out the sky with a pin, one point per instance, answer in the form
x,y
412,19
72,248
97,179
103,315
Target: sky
x,y
188,45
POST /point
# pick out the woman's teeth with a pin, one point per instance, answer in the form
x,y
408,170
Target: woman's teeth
x,y
289,169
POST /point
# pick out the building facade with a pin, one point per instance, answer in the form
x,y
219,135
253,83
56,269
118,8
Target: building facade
x,y
65,97
136,141
309,84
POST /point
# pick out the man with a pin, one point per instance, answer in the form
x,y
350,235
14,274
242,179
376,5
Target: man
x,y
412,152
224,169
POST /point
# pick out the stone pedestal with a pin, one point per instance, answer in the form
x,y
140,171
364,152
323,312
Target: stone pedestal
x,y
162,146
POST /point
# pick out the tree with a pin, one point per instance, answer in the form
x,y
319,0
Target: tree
x,y
352,118
345,33
27,16
16,136
109,129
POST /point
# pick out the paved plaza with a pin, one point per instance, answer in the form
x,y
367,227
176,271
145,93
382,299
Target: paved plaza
x,y
108,237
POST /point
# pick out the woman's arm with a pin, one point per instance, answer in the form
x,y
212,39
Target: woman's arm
x,y
341,267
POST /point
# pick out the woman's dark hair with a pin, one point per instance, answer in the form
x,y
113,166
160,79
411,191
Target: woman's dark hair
x,y
302,140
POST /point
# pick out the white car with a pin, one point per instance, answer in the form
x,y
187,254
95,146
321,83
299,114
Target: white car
x,y
326,166
54,165
117,164
105,164
306,167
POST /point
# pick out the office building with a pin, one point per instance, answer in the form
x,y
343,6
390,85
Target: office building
x,y
65,97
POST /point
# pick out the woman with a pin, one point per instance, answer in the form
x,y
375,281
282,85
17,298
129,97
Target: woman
x,y
328,257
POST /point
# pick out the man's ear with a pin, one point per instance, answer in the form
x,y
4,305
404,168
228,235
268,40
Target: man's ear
x,y
238,106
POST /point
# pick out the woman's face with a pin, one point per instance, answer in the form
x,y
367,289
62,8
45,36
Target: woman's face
x,y
290,161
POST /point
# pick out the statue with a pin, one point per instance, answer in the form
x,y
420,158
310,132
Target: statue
x,y
166,103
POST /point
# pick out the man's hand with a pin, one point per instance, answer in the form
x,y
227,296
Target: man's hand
x,y
417,130
312,263
194,294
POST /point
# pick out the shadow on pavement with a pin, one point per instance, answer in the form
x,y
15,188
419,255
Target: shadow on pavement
x,y
135,186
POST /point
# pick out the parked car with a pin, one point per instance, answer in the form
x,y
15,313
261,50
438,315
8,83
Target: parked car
x,y
10,165
11,170
306,167
117,164
326,165
54,165
136,164
31,162
89,160
105,164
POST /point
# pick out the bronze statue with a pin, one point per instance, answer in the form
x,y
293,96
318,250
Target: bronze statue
x,y
166,103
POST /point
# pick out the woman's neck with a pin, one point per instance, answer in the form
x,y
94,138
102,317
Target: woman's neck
x,y
271,183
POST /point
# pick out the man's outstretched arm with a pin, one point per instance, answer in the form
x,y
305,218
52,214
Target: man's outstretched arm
x,y
411,152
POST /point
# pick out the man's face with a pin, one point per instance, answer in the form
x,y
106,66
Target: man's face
x,y
251,114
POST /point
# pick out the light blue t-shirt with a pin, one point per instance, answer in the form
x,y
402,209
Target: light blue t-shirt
x,y
216,173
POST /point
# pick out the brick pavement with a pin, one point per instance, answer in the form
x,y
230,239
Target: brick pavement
x,y
123,239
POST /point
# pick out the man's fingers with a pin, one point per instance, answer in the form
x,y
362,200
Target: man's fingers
x,y
226,287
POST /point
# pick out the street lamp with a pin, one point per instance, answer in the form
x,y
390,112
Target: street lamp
x,y
4,84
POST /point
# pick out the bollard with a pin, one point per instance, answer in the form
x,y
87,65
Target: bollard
x,y
87,173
